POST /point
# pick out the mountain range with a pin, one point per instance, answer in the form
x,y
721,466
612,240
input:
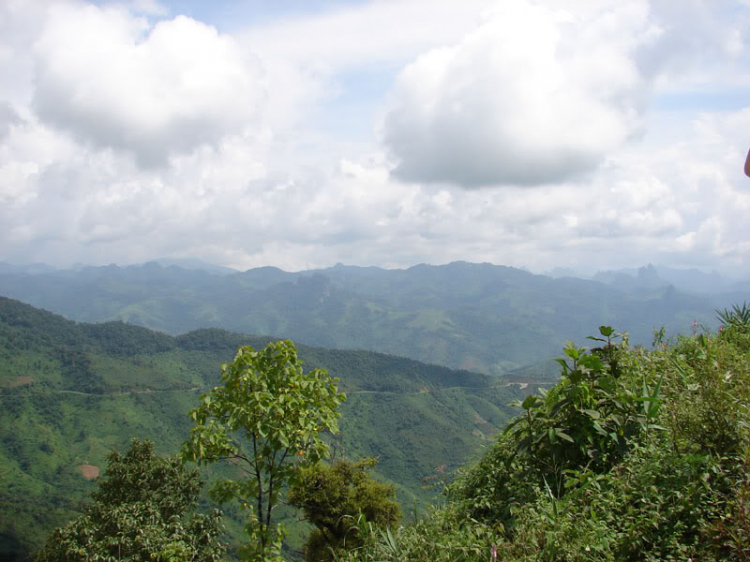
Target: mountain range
x,y
479,317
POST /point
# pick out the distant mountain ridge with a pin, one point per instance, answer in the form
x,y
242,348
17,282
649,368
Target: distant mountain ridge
x,y
690,280
686,280
479,317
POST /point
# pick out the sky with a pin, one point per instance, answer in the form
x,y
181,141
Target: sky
x,y
585,134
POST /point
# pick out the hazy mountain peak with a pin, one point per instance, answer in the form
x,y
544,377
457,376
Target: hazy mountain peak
x,y
192,263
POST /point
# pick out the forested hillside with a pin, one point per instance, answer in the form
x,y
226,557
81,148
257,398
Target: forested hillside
x,y
479,317
70,393
635,455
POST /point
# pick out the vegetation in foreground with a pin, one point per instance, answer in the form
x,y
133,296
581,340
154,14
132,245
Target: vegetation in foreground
x,y
70,393
337,499
267,416
634,455
142,510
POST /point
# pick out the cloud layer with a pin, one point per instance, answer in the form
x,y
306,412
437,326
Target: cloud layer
x,y
112,80
539,95
533,96
133,134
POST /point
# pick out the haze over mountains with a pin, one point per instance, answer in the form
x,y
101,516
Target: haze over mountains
x,y
479,317
654,276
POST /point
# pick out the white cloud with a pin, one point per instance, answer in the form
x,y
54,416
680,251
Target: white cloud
x,y
8,119
272,185
20,21
112,80
532,96
679,204
539,94
701,46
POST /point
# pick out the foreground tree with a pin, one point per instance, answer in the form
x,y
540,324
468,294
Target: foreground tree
x,y
141,512
266,418
340,500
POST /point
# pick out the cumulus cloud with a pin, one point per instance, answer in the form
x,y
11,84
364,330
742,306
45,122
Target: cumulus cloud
x,y
699,46
532,96
101,86
8,118
682,202
114,81
542,92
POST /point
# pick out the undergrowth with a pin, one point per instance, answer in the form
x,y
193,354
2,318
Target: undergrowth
x,y
635,455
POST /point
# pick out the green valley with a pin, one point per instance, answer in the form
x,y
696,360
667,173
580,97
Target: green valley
x,y
70,393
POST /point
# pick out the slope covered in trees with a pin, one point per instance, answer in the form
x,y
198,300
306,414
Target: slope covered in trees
x,y
478,317
634,455
71,393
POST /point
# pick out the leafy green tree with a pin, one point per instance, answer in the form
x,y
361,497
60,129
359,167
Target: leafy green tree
x,y
338,500
591,419
141,513
267,418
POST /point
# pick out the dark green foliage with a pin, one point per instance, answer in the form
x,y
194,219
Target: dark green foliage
x,y
211,339
736,317
590,419
339,500
668,480
141,511
77,373
118,338
588,422
11,550
730,533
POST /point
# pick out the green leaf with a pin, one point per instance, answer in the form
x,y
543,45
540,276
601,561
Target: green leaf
x,y
599,429
572,351
563,364
607,383
593,414
560,433
515,421
560,405
530,401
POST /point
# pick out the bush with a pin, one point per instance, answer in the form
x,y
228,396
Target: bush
x,y
339,500
635,455
141,512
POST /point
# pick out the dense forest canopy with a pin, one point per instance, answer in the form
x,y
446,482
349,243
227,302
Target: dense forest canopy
x,y
635,454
